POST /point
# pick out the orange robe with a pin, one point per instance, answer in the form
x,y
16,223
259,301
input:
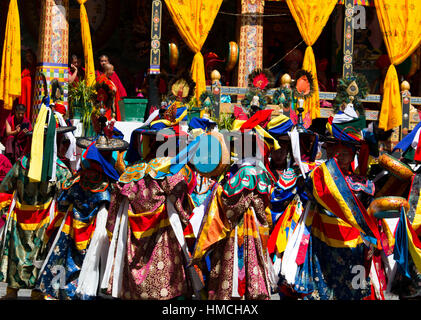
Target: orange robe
x,y
103,79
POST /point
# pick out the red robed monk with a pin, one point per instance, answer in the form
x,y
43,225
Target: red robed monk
x,y
104,60
108,93
16,141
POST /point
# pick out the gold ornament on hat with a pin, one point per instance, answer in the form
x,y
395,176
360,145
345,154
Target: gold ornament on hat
x,y
352,90
181,88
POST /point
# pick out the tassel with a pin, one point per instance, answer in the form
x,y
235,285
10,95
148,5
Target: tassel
x,y
235,280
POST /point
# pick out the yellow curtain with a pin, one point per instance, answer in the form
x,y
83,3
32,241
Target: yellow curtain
x,y
400,22
10,77
311,16
194,19
87,44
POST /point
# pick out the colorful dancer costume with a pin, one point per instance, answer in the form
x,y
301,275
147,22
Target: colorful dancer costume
x,y
288,195
406,249
235,226
35,181
73,267
329,254
148,257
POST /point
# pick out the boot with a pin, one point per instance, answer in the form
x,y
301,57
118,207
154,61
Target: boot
x,y
37,295
11,294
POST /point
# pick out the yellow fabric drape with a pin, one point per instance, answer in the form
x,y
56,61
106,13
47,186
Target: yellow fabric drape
x,y
311,16
414,251
400,22
37,146
416,223
10,77
87,44
194,19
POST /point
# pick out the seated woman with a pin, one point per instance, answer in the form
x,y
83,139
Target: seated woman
x,y
17,142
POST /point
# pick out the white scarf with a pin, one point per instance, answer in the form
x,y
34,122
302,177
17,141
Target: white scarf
x,y
90,273
71,151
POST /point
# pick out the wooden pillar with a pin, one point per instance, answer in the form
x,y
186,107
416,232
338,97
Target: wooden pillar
x,y
155,55
348,48
53,49
251,39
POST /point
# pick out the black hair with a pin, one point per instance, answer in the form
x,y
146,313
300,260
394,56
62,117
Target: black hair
x,y
20,107
104,56
34,57
55,84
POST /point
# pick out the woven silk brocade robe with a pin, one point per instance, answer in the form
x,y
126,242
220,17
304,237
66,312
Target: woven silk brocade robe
x,y
153,260
332,244
82,198
239,259
23,246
